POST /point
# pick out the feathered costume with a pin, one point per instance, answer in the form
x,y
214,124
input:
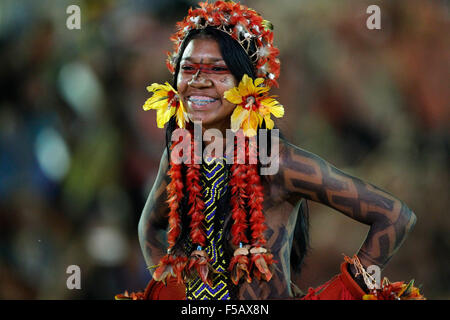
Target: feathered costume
x,y
199,271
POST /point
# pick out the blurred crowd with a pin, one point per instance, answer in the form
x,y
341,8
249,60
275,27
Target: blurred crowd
x,y
78,155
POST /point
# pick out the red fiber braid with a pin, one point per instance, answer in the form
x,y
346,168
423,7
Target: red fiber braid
x,y
238,196
255,201
195,199
175,194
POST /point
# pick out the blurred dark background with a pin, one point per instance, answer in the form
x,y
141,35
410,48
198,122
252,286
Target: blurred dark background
x,y
78,155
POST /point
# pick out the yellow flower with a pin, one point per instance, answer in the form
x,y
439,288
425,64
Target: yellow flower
x,y
253,106
167,103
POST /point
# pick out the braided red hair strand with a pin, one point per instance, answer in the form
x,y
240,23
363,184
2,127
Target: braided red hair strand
x,y
255,194
238,197
175,194
195,199
261,260
172,265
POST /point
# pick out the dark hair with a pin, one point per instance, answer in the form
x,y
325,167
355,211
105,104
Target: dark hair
x,y
239,63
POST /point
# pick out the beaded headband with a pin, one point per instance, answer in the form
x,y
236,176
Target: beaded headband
x,y
243,24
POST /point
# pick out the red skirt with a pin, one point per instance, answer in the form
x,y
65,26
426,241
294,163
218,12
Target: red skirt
x,y
340,287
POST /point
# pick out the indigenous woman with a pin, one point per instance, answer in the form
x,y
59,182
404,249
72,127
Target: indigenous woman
x,y
216,228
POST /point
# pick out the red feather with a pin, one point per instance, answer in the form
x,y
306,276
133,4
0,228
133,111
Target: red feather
x,y
239,267
170,266
195,199
256,198
239,214
199,266
261,265
175,194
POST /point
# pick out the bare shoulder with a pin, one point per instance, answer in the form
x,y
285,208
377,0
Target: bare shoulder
x,y
291,153
156,207
162,177
301,172
277,168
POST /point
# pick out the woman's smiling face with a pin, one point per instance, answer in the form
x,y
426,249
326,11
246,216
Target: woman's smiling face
x,y
202,80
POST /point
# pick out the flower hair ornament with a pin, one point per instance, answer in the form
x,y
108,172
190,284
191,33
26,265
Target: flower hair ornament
x,y
166,102
253,106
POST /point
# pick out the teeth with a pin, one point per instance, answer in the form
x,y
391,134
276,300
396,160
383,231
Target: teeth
x,y
200,100
201,103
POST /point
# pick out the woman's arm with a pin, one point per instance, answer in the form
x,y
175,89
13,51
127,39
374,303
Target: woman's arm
x,y
307,175
153,223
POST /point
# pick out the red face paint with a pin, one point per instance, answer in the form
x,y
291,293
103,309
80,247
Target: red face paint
x,y
193,68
